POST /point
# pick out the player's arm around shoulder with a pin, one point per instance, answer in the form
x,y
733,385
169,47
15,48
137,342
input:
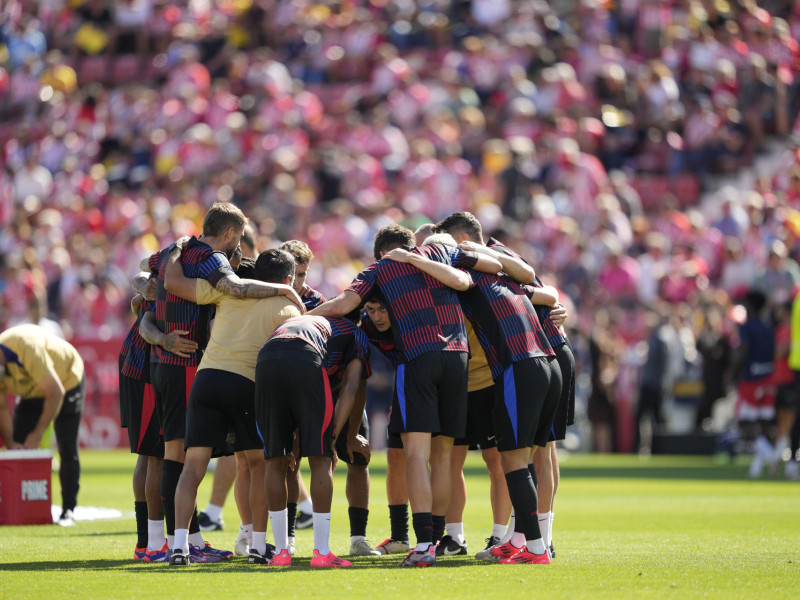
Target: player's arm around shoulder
x,y
232,285
344,303
443,273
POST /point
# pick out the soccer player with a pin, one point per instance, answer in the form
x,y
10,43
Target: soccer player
x,y
300,507
754,364
137,407
222,398
376,324
431,382
228,470
172,373
46,373
527,389
305,360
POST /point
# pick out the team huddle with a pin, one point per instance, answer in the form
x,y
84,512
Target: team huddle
x,y
481,363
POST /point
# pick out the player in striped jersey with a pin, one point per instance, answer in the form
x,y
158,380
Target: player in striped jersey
x,y
172,374
527,389
431,382
546,463
300,506
137,405
306,361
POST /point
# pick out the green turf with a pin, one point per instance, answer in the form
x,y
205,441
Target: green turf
x,y
625,528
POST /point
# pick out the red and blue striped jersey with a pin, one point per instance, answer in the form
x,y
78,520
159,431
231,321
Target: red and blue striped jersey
x,y
337,341
504,321
425,314
554,335
135,351
382,340
312,299
199,261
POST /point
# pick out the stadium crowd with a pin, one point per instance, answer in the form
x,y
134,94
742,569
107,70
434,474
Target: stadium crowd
x,y
579,133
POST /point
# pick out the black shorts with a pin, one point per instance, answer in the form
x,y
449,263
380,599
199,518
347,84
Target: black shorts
x,y
138,402
394,441
172,384
341,443
221,412
788,395
526,397
293,391
565,412
28,411
480,422
430,395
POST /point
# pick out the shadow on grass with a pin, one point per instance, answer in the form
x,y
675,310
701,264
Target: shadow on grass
x,y
232,566
710,472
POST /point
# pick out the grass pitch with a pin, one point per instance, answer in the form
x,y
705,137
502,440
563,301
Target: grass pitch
x,y
666,527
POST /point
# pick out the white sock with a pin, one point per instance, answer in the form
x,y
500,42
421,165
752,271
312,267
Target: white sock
x,y
510,530
214,512
423,547
498,530
155,535
536,546
544,527
305,506
182,540
245,532
259,542
455,531
357,538
196,539
280,528
322,531
171,541
552,516
518,539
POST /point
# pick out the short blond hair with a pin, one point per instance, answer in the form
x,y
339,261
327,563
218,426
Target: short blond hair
x,y
300,251
440,238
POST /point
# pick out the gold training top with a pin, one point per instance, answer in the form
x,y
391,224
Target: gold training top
x,y
480,375
30,351
241,328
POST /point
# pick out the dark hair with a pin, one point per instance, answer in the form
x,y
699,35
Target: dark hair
x,y
460,223
221,217
249,236
274,266
755,300
391,237
247,269
354,315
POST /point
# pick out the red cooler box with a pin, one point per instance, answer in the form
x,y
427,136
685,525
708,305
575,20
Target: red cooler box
x,y
25,489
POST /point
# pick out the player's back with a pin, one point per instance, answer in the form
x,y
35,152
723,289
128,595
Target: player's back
x,y
426,314
241,328
760,339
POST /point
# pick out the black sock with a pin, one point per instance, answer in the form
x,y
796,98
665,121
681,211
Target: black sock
x,y
525,503
140,508
170,475
423,527
358,521
194,524
532,471
398,515
291,517
438,528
